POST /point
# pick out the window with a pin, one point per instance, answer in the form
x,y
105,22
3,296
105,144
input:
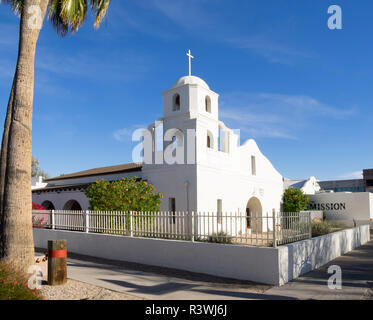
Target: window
x,y
208,104
208,141
172,207
253,166
176,102
220,211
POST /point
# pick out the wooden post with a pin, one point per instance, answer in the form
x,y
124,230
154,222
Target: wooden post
x,y
57,266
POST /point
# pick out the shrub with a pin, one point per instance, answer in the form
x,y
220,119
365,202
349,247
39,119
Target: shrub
x,y
294,200
128,194
336,226
220,237
320,229
14,285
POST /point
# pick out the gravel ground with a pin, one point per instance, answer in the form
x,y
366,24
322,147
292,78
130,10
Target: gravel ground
x,y
368,295
76,290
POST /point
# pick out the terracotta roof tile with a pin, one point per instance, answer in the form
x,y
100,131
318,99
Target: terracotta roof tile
x,y
129,167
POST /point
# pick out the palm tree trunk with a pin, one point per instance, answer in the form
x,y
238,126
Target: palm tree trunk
x,y
16,242
4,148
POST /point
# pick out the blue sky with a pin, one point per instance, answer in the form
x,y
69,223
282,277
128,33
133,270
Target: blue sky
x,y
302,91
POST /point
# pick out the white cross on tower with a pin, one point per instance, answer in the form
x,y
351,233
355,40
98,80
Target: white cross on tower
x,y
189,54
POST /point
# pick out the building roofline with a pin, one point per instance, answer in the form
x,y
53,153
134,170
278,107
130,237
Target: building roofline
x,y
129,167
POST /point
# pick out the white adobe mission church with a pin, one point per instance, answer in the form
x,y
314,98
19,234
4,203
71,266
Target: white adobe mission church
x,y
213,173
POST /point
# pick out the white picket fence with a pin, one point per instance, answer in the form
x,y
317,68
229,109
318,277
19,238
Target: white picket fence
x,y
233,228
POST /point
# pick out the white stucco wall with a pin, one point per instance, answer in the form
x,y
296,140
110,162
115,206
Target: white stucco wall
x,y
60,199
231,261
301,257
171,182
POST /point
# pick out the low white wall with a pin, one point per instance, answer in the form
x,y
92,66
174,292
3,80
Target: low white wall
x,y
301,257
274,266
232,261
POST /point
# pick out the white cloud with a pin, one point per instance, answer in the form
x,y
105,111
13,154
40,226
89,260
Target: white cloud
x,y
180,12
275,115
270,50
352,175
120,66
125,134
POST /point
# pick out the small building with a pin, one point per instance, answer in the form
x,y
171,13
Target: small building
x,y
308,186
37,183
352,185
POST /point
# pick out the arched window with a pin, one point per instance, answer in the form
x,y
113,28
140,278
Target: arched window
x,y
48,205
208,104
176,102
72,205
174,146
210,140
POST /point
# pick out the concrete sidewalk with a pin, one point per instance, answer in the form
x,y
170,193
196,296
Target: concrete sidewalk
x,y
357,280
156,283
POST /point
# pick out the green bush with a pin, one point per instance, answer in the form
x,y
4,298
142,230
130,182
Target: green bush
x,y
294,200
14,285
320,229
128,194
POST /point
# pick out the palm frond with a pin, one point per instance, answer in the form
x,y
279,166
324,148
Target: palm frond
x,y
54,10
67,15
100,8
16,5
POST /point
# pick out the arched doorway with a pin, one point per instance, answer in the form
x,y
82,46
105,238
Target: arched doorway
x,y
48,205
72,205
254,215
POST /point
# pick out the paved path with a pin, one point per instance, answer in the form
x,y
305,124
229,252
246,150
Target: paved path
x,y
159,283
357,280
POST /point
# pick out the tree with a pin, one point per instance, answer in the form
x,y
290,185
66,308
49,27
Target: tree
x,y
16,240
35,169
128,194
294,200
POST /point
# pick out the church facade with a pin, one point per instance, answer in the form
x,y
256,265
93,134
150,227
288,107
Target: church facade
x,y
198,166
